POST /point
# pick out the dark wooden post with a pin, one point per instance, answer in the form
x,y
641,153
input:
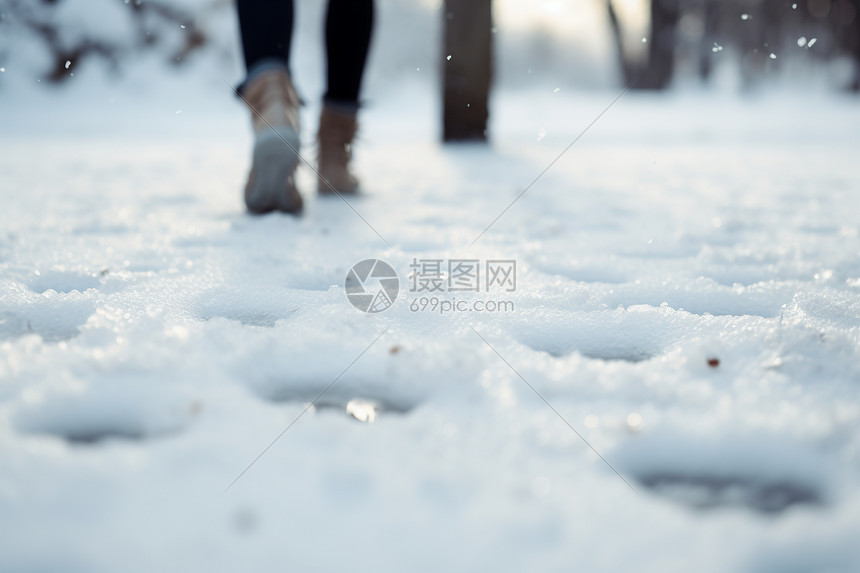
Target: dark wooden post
x,y
467,72
661,45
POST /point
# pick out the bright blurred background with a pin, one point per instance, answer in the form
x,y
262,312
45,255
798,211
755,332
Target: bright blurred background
x,y
726,44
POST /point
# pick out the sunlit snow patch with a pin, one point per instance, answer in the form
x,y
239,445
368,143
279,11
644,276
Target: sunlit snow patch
x,y
362,410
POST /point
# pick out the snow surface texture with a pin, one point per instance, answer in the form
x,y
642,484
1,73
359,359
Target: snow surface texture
x,y
688,300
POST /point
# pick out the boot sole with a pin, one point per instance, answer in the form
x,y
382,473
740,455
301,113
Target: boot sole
x,y
274,162
325,191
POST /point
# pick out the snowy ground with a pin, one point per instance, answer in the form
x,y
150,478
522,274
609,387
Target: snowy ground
x,y
154,340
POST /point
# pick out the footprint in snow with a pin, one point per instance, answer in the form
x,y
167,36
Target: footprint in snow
x,y
760,473
96,415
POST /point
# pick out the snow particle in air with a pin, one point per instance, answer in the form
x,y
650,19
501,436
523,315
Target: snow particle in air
x,y
801,41
717,48
449,57
811,42
644,40
68,63
745,16
555,91
2,69
634,422
772,56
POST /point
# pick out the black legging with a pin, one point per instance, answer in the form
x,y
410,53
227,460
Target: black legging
x,y
267,29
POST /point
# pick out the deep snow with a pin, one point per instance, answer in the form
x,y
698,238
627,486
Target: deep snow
x,y
154,339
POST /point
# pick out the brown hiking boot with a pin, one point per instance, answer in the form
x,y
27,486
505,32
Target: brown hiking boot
x,y
337,130
275,117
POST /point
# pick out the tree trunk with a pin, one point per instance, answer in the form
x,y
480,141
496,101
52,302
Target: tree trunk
x,y
661,45
627,67
467,62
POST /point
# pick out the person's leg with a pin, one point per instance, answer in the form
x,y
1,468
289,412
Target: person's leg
x,y
348,28
266,28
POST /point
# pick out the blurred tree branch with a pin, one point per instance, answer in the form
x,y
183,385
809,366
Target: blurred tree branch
x,y
699,30
41,19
